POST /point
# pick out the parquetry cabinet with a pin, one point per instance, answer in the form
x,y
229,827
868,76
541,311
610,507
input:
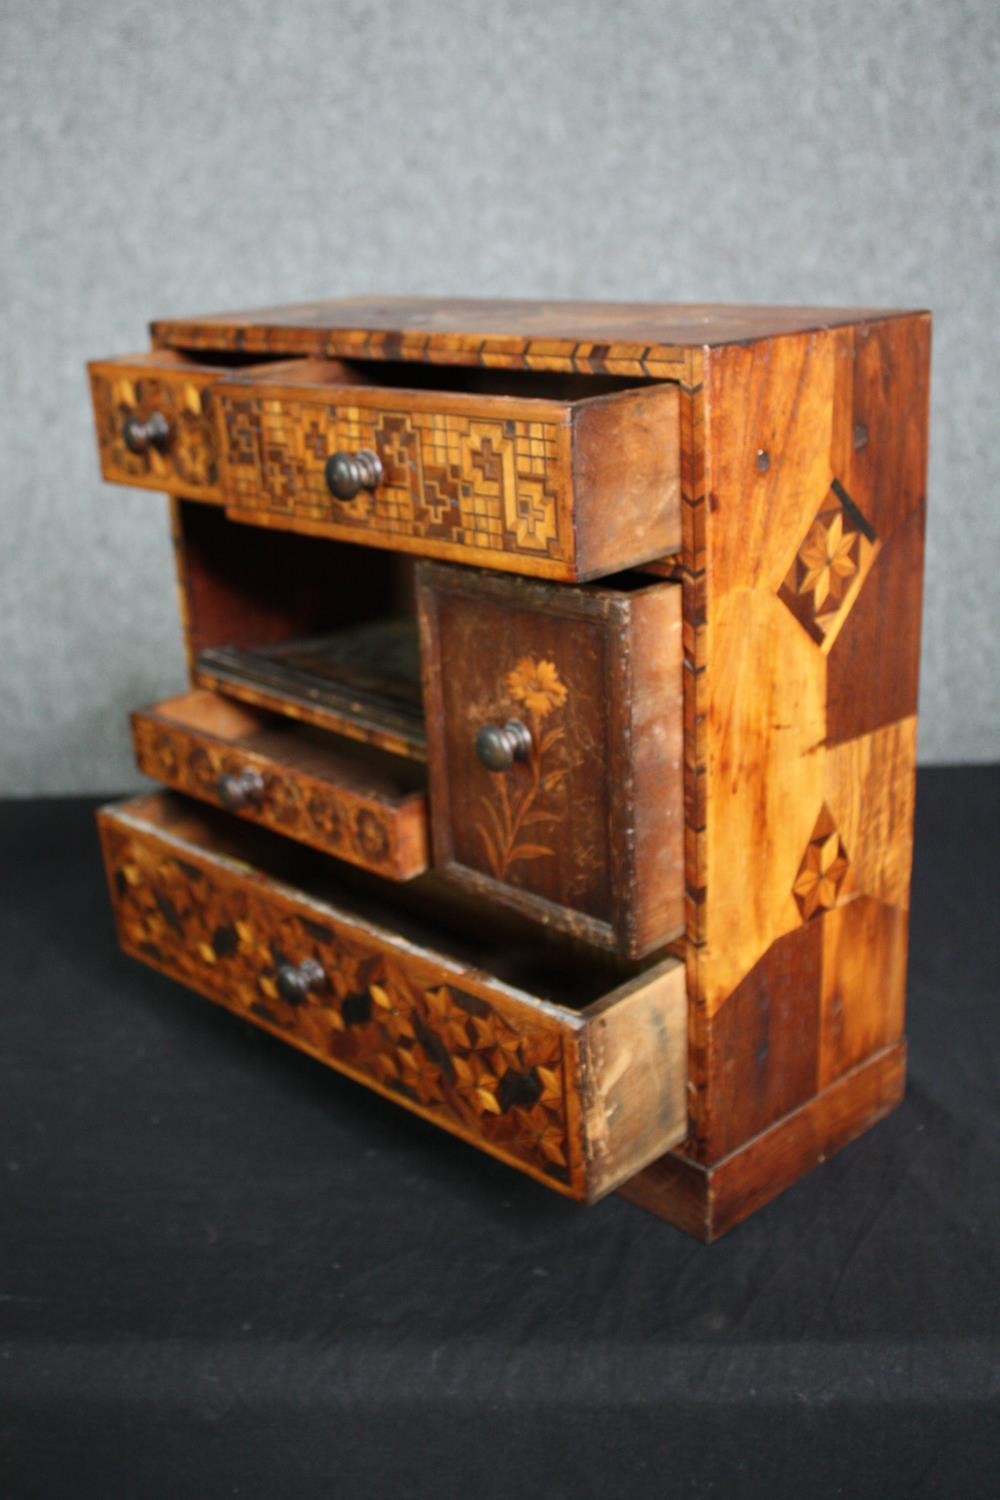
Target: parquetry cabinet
x,y
547,759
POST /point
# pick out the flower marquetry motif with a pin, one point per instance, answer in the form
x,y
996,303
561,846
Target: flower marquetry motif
x,y
529,796
829,558
537,685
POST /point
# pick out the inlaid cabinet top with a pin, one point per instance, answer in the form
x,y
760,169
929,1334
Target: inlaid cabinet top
x,y
592,337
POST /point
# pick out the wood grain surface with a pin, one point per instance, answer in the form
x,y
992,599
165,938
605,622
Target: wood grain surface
x,y
598,338
586,831
802,587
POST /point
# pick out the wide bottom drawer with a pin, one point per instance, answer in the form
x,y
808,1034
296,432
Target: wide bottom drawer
x,y
525,1047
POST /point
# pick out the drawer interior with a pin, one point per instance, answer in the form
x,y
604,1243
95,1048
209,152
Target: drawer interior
x,y
428,911
293,746
565,387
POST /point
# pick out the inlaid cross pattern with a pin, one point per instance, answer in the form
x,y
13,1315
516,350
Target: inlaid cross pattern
x,y
821,873
830,557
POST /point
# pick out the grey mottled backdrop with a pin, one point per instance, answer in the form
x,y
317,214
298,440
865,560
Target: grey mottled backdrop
x,y
190,156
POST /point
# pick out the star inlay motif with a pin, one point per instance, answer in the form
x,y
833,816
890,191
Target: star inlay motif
x,y
827,563
823,867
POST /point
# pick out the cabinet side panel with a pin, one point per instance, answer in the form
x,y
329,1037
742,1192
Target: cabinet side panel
x,y
816,492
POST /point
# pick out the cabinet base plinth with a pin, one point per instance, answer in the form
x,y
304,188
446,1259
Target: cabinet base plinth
x,y
708,1200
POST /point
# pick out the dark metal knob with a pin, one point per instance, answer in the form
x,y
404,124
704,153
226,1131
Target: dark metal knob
x,y
141,436
500,745
238,789
346,473
297,981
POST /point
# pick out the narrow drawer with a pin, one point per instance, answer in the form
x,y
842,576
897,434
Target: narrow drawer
x,y
350,800
555,486
155,423
555,745
530,1061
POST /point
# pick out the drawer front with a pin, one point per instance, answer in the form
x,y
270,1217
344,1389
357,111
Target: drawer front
x,y
546,487
580,1101
223,754
155,423
555,742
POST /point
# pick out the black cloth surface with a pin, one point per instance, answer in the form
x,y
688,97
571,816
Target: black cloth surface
x,y
225,1271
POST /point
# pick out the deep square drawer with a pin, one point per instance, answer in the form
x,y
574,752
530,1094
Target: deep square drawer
x,y
554,747
514,1048
347,799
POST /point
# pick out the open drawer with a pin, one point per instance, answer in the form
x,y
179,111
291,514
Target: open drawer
x,y
155,422
351,800
537,1056
559,476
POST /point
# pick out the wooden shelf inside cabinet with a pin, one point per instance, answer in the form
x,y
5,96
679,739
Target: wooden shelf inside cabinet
x,y
362,682
607,616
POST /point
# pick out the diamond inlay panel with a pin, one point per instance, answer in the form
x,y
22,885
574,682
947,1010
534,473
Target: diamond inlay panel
x,y
828,564
823,868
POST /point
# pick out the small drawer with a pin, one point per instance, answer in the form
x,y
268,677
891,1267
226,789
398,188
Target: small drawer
x,y
350,800
155,419
554,747
566,485
530,1062
155,423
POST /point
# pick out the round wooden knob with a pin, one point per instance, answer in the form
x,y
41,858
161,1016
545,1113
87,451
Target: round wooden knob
x,y
238,789
346,473
141,436
500,745
297,981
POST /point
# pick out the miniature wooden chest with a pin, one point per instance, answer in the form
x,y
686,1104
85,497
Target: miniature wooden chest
x,y
547,759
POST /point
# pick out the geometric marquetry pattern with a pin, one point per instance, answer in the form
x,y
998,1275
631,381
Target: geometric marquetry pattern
x,y
189,454
821,873
446,1052
511,351
448,477
330,818
827,563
